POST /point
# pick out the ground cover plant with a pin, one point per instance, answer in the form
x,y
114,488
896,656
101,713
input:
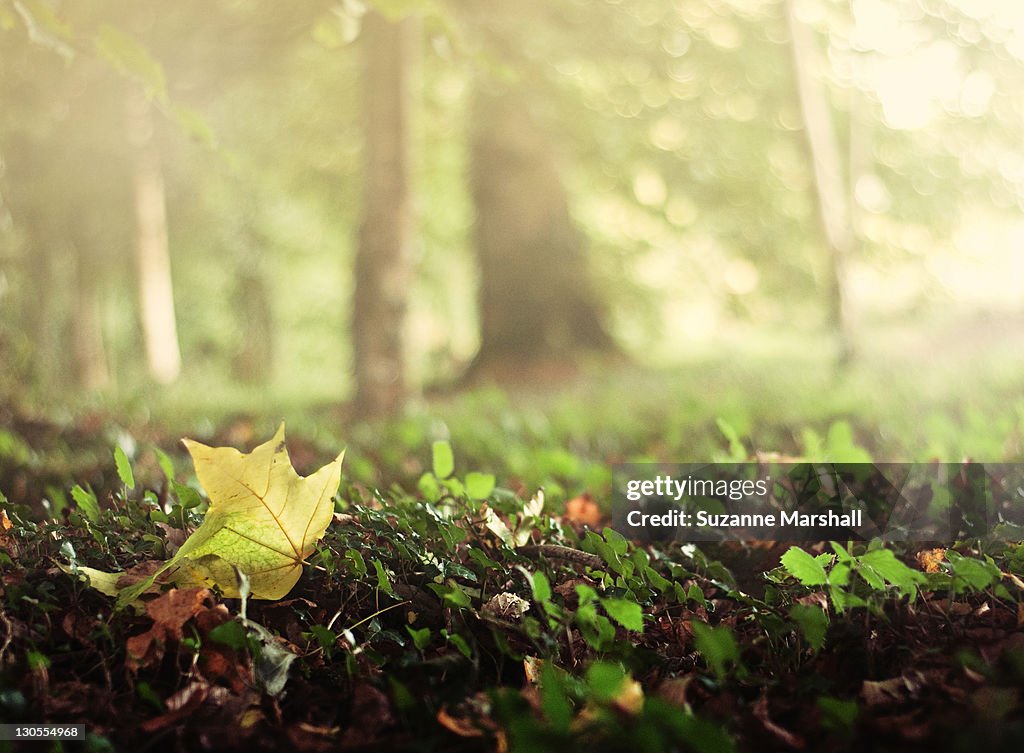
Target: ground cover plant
x,y
457,613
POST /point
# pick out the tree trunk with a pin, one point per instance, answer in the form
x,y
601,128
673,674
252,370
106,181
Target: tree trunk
x,y
830,188
382,269
87,325
535,298
152,255
253,360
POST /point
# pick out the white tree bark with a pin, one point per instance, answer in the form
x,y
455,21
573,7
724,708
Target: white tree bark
x,y
830,187
152,254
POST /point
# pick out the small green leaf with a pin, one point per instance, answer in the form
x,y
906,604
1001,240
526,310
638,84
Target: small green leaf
x,y
625,612
358,563
597,630
421,637
124,468
165,463
37,660
456,597
383,582
479,485
541,587
837,714
605,680
86,501
460,643
804,567
717,645
187,496
443,460
813,623
230,634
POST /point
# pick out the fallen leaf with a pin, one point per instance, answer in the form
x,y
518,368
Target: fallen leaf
x,y
169,613
506,606
584,510
929,559
264,518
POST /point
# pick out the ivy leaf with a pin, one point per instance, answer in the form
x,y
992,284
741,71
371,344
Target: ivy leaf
x,y
263,518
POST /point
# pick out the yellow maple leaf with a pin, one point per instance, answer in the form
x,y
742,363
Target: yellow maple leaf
x,y
263,518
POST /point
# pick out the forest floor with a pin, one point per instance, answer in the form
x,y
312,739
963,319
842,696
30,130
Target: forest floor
x,y
440,614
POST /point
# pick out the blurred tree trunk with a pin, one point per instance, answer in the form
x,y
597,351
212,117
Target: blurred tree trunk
x,y
382,268
253,359
830,187
152,255
90,354
536,302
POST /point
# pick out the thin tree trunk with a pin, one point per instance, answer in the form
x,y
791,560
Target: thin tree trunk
x,y
383,264
153,260
536,301
87,328
830,187
253,359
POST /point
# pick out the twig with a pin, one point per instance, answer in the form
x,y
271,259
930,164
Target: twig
x,y
556,552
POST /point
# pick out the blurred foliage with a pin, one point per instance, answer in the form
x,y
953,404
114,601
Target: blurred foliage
x,y
678,127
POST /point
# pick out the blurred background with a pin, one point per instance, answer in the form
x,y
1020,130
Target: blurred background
x,y
550,230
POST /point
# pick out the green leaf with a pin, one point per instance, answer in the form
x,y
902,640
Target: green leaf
x,y
736,449
625,612
554,698
186,495
383,582
195,125
541,587
459,642
884,563
597,630
326,638
230,634
443,460
129,57
479,485
804,567
456,597
605,680
124,468
358,563
976,574
717,645
813,623
165,463
421,637
86,501
837,714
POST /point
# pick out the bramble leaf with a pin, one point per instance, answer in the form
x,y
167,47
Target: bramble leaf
x,y
804,567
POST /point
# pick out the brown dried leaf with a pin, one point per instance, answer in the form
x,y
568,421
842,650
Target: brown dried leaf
x,y
929,559
584,510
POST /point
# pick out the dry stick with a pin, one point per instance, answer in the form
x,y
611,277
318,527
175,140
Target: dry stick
x,y
556,552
